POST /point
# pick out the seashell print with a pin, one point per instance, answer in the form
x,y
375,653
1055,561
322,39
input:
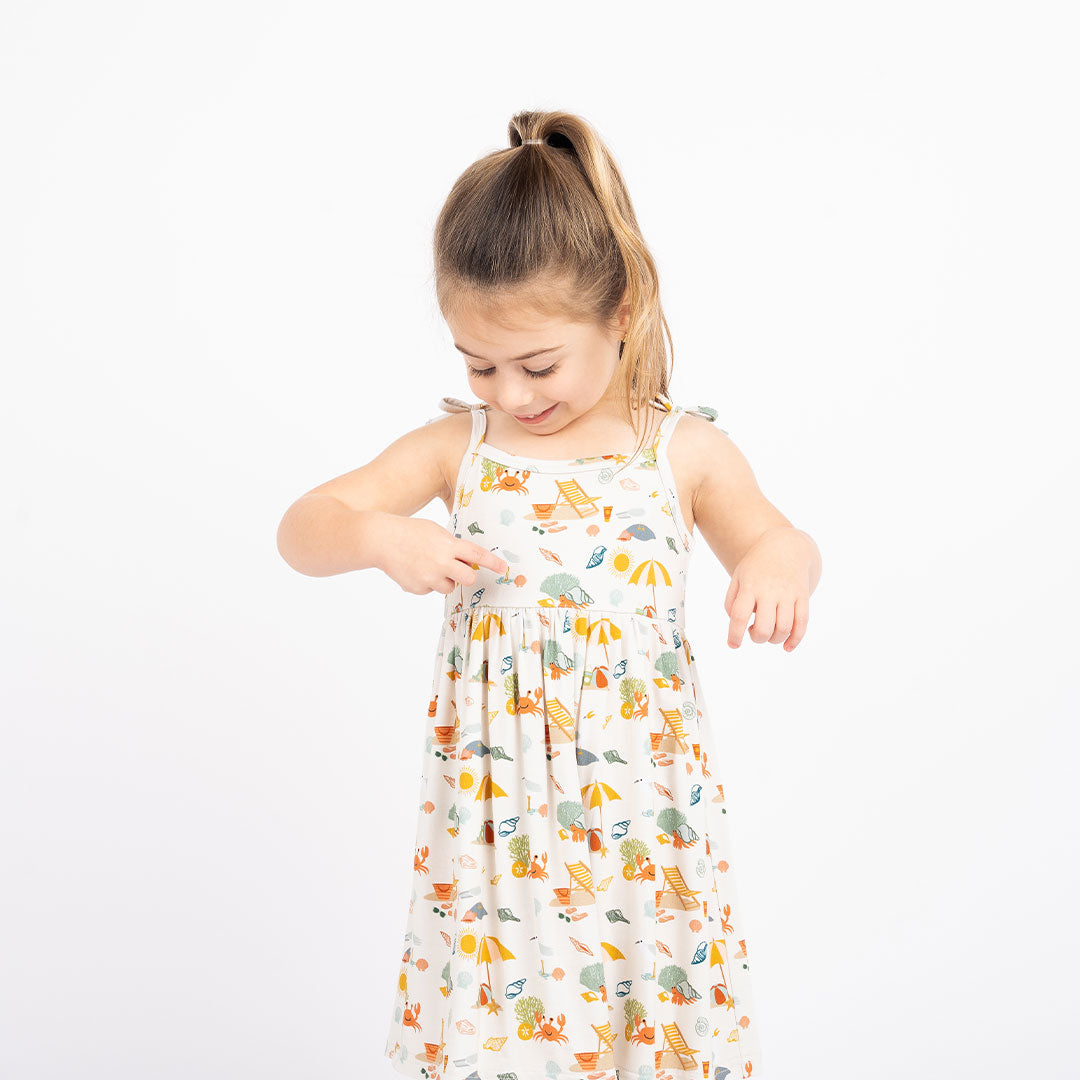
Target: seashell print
x,y
571,839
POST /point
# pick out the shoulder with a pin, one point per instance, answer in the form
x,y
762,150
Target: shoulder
x,y
448,435
699,450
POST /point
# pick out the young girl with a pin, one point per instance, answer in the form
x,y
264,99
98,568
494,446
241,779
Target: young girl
x,y
573,911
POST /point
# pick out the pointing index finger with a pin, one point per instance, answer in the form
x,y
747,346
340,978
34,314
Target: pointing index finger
x,y
490,560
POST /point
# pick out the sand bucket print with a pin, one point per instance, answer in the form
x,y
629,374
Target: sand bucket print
x,y
573,911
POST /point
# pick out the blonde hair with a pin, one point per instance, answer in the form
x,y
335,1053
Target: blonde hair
x,y
552,227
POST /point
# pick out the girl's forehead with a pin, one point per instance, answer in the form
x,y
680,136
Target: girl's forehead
x,y
506,319
485,337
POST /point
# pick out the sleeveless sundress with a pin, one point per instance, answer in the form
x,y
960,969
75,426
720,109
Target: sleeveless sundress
x,y
573,913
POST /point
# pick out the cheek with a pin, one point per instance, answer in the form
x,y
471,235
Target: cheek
x,y
480,386
581,390
570,387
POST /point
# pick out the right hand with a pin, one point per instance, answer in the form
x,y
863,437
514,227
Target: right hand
x,y
423,556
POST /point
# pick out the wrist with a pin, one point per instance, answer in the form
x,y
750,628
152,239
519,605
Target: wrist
x,y
373,537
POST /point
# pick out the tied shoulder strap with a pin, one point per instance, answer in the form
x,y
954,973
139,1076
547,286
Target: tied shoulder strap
x,y
707,411
479,422
453,405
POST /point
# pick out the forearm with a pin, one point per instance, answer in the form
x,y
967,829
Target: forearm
x,y
321,536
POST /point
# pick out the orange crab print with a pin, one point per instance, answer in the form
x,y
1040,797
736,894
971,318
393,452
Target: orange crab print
x,y
410,1019
505,480
566,744
419,863
525,705
643,1033
546,1030
536,869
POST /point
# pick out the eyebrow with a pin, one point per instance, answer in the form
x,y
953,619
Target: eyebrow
x,y
527,356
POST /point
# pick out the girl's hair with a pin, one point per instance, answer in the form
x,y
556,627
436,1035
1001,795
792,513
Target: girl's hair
x,y
551,226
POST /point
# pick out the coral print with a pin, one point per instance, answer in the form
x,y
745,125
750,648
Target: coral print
x,y
573,912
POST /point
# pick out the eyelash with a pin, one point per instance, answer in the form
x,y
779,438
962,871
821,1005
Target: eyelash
x,y
534,374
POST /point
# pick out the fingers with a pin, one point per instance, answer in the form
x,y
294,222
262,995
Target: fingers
x,y
478,556
764,620
740,610
782,620
777,622
729,599
468,559
801,616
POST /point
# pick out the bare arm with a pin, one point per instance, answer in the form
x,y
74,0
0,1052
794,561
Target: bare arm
x,y
344,524
729,507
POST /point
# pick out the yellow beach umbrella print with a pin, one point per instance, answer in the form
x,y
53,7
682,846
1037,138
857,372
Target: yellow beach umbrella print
x,y
612,950
484,955
716,956
651,565
484,626
594,794
606,631
488,788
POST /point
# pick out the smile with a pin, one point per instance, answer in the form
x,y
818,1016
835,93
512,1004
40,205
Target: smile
x,y
536,418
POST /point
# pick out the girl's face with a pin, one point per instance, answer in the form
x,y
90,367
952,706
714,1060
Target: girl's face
x,y
527,364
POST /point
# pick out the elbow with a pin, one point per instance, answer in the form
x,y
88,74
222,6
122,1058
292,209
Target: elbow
x,y
288,547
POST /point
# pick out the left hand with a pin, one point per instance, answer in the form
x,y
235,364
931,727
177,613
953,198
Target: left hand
x,y
772,583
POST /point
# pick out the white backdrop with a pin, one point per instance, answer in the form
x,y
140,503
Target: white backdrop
x,y
215,235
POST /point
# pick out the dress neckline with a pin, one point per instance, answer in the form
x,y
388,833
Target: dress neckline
x,y
593,461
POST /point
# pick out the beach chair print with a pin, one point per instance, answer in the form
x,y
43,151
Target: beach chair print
x,y
581,876
571,492
673,722
674,1037
605,1047
559,715
688,897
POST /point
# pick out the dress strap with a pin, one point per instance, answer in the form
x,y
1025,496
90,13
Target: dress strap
x,y
708,412
667,477
479,424
456,405
667,425
453,404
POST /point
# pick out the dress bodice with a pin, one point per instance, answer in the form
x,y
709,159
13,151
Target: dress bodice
x,y
591,534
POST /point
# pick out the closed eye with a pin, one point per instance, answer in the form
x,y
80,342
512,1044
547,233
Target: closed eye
x,y
528,371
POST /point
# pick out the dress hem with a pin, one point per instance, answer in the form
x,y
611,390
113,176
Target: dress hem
x,y
629,1072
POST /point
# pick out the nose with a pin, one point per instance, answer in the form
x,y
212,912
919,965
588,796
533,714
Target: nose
x,y
519,403
513,393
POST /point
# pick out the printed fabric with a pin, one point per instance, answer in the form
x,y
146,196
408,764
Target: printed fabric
x,y
573,911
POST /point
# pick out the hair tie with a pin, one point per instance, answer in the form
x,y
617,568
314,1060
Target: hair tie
x,y
524,141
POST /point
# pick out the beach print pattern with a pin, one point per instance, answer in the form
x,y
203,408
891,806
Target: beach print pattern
x,y
573,913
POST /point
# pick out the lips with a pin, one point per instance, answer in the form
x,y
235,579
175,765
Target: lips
x,y
536,417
